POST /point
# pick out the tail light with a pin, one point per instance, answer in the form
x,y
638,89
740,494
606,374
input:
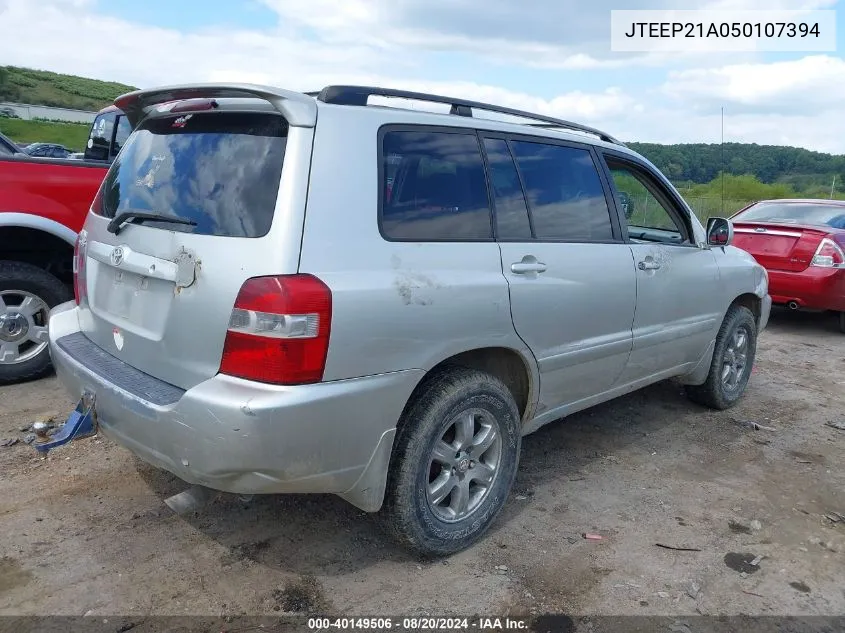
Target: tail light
x,y
829,255
279,330
80,283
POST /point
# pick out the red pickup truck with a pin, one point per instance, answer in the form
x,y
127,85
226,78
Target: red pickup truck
x,y
43,205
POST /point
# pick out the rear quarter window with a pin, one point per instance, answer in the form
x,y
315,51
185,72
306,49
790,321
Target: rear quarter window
x,y
433,187
218,169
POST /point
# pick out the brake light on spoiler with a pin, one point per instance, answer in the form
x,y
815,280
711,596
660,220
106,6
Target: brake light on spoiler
x,y
279,330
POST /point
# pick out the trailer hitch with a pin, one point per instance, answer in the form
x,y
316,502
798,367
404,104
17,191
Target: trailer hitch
x,y
82,422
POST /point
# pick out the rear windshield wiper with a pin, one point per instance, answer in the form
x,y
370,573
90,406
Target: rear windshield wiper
x,y
134,216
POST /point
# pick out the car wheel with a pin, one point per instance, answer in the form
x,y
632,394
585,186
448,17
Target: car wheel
x,y
454,462
27,293
842,322
733,359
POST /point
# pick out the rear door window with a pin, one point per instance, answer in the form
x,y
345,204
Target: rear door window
x,y
512,221
564,191
218,169
434,187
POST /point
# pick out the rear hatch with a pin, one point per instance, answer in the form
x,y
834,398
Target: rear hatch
x,y
158,294
779,246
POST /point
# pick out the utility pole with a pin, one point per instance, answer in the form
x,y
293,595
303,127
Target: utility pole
x,y
832,186
723,160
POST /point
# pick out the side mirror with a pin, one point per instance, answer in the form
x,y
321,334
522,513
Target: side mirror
x,y
720,232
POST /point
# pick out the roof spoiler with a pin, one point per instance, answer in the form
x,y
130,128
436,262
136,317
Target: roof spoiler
x,y
299,110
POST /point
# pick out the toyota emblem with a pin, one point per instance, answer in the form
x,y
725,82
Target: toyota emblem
x,y
116,256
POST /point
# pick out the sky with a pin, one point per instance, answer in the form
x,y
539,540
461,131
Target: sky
x,y
547,56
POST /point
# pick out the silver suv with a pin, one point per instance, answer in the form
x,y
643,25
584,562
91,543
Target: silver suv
x,y
280,292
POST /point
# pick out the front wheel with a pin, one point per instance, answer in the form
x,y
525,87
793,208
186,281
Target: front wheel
x,y
842,322
27,293
733,359
454,462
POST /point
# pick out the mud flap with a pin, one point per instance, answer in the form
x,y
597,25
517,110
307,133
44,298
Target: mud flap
x,y
82,422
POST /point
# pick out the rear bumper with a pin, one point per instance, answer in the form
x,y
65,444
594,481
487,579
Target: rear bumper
x,y
239,436
814,288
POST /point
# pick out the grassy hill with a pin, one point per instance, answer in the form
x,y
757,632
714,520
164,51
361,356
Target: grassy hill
x,y
71,135
40,87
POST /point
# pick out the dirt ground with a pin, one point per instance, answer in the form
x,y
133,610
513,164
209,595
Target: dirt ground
x,y
85,530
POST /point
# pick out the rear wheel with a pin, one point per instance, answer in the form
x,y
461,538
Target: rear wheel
x,y
454,462
842,322
27,293
733,359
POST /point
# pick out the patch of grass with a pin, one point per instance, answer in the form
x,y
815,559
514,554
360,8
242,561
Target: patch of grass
x,y
26,85
74,136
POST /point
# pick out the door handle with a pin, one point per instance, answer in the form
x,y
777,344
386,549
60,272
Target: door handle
x,y
648,265
524,267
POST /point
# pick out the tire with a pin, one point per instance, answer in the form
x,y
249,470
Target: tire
x,y
842,322
717,393
414,517
17,282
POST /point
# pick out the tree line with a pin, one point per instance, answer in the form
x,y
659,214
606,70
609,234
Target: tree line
x,y
786,169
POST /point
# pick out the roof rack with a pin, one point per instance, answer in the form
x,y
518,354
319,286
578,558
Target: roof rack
x,y
358,95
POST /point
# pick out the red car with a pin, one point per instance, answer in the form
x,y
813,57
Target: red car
x,y
43,204
801,243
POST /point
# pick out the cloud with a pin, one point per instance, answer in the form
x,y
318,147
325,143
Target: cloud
x,y
110,48
401,43
822,133
815,83
73,38
553,34
770,5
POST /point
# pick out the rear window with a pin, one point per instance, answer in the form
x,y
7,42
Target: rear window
x,y
219,169
795,213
